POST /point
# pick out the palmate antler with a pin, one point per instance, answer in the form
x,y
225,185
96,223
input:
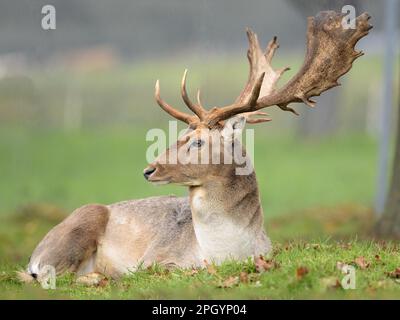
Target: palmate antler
x,y
330,54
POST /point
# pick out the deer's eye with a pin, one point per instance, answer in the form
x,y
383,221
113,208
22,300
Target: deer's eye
x,y
197,143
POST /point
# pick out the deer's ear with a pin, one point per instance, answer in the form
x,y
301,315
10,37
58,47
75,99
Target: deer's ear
x,y
233,127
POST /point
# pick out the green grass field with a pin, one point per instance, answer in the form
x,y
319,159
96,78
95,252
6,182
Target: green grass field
x,y
294,270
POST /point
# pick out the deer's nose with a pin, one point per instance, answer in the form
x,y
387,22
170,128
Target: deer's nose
x,y
148,171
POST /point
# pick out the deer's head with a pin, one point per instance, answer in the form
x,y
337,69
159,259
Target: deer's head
x,y
200,154
212,134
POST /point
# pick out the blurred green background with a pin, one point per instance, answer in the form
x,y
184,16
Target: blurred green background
x,y
103,162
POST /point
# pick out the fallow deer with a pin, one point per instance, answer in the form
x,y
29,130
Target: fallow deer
x,y
222,218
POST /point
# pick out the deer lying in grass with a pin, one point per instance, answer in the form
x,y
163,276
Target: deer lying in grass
x,y
222,218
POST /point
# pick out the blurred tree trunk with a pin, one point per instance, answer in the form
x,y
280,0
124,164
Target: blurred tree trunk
x,y
389,224
323,120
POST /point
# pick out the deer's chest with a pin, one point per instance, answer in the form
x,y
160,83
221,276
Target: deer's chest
x,y
219,237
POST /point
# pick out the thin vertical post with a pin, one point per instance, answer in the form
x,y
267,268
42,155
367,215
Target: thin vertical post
x,y
391,10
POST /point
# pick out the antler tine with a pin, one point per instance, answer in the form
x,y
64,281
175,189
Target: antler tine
x,y
250,120
198,98
196,108
255,92
189,119
271,48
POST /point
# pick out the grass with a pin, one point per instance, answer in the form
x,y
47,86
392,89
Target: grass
x,y
297,270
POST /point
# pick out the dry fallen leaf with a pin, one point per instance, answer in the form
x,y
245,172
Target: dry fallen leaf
x,y
361,262
244,277
377,257
210,268
230,282
301,272
263,265
103,282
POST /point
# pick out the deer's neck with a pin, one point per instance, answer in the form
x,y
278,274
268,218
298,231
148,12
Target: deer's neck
x,y
227,217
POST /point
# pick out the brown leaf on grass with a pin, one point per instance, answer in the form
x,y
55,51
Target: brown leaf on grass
x,y
394,274
377,257
301,272
244,277
103,282
210,268
361,262
230,282
263,265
